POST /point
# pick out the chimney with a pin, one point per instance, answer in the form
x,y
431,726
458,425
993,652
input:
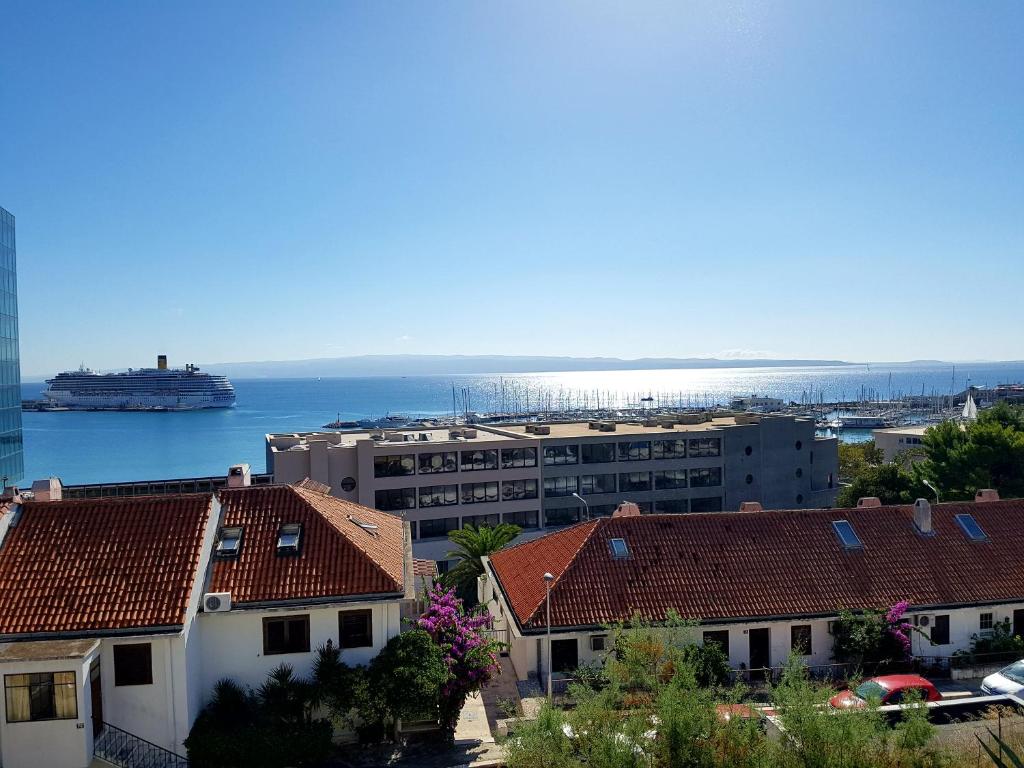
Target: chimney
x,y
626,509
986,494
50,489
923,516
751,506
161,362
239,476
868,501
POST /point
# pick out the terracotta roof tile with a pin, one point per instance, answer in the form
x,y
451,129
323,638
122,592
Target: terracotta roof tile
x,y
337,558
101,564
763,564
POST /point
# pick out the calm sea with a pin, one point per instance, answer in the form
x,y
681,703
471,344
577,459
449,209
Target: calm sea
x,y
90,447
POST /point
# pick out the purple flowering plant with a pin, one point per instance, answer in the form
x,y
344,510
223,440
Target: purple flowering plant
x,y
899,629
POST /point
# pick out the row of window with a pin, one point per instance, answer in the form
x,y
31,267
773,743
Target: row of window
x,y
660,480
637,450
440,527
290,634
397,465
397,499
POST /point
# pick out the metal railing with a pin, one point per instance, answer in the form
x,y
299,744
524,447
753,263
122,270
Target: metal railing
x,y
127,750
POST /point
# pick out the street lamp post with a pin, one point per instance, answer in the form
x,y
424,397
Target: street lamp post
x,y
548,578
585,505
934,490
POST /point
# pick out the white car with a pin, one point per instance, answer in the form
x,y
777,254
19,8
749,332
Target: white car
x,y
1007,680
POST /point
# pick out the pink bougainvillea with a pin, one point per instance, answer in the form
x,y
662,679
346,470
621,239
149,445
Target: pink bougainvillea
x,y
899,629
471,657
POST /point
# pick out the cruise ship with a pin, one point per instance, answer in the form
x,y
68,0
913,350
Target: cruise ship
x,y
145,389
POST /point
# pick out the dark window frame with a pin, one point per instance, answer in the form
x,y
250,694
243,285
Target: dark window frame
x,y
468,492
517,458
289,644
424,462
437,495
719,636
41,685
801,639
598,453
633,450
391,465
396,499
364,613
133,671
704,447
940,630
479,460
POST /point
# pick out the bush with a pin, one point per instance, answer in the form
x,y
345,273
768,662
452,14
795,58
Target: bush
x,y
408,674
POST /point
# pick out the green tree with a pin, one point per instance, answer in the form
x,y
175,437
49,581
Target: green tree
x,y
408,674
472,544
889,482
855,458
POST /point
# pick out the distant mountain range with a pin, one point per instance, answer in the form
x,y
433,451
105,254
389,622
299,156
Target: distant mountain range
x,y
434,365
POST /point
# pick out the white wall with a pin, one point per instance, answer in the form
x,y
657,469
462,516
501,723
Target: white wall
x,y
144,710
232,642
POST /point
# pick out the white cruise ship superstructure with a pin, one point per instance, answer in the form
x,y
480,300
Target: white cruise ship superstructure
x,y
160,388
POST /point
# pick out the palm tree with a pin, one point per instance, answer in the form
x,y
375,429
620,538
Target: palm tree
x,y
472,544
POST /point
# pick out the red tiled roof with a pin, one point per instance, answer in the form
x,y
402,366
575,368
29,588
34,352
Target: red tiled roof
x,y
101,564
337,558
763,564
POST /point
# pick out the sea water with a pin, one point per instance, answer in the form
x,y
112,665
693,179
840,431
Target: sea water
x,y
111,446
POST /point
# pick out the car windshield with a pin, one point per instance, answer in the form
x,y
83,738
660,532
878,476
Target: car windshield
x,y
869,689
1014,672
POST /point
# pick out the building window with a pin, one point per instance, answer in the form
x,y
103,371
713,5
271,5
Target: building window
x,y
706,477
394,466
41,696
672,506
591,484
555,455
602,510
669,478
436,463
438,528
748,479
705,447
475,461
669,449
940,630
748,450
799,444
133,664
985,621
597,453
289,537
634,451
598,642
799,472
479,493
559,486
438,496
706,504
524,520
395,499
515,458
287,634
480,520
229,542
564,516
519,489
348,484
355,629
719,636
634,481
800,639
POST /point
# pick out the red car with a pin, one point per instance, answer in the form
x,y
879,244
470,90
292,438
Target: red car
x,y
887,689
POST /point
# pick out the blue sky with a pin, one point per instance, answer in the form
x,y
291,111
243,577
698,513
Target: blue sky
x,y
249,181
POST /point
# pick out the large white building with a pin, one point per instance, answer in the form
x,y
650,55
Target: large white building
x,y
535,475
118,616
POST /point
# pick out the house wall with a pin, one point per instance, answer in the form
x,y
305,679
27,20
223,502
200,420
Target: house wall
x,y
64,743
232,642
144,710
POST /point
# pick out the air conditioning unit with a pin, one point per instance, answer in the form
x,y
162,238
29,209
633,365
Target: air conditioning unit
x,y
217,602
922,621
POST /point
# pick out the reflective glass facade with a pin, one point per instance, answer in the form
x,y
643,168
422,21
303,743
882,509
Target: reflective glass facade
x,y
12,463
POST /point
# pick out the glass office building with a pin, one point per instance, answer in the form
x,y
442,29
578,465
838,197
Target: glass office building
x,y
12,463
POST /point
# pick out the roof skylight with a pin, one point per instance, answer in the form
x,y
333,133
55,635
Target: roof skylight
x,y
847,536
288,536
971,528
619,548
229,542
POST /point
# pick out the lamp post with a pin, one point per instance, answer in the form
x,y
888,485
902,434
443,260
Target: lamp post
x,y
548,578
585,505
934,490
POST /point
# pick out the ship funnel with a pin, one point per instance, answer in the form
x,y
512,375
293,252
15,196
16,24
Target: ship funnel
x,y
161,362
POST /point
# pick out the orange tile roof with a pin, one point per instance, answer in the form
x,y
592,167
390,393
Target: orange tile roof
x,y
722,566
101,564
337,558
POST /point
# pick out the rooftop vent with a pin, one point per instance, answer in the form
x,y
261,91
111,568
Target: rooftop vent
x,y
229,542
751,506
593,425
868,501
288,538
971,528
371,527
923,516
620,550
626,509
542,429
607,426
239,476
847,536
983,494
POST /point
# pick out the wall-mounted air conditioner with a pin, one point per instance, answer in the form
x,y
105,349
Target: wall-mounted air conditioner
x,y
217,602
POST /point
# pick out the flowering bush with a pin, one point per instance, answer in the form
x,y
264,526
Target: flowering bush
x,y
470,658
873,638
900,630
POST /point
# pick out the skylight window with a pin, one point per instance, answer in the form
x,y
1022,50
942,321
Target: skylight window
x,y
288,536
229,542
847,536
619,548
971,528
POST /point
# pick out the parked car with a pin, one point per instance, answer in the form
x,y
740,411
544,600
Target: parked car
x,y
1007,680
887,689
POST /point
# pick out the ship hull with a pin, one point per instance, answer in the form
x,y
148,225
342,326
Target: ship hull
x,y
129,402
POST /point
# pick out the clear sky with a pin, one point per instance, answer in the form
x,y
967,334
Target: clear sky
x,y
248,181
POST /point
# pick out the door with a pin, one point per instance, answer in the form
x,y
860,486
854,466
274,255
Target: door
x,y
564,655
760,652
96,694
1018,622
